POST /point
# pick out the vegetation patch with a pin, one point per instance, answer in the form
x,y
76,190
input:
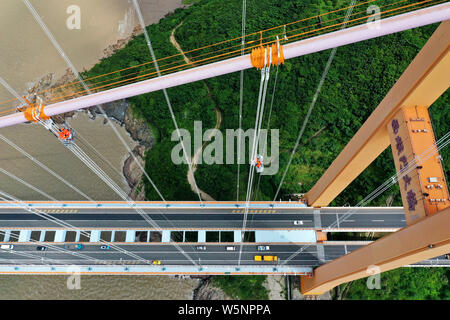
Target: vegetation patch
x,y
404,284
242,287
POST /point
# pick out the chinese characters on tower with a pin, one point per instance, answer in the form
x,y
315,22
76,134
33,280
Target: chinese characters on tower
x,y
410,195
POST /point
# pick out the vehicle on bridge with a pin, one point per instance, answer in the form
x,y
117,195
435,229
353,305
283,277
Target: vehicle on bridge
x,y
41,248
104,247
231,248
298,223
263,248
201,248
266,258
157,262
74,246
7,247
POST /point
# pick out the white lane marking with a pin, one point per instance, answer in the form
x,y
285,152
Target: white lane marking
x,y
378,220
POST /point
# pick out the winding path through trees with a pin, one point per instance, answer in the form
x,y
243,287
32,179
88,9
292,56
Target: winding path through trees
x,y
198,152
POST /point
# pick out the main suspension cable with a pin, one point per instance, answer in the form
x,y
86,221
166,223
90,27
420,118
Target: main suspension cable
x,y
75,71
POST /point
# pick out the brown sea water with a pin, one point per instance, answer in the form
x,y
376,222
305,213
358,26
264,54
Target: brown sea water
x,y
97,288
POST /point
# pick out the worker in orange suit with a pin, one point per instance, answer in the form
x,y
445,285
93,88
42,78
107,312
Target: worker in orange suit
x,y
64,134
258,163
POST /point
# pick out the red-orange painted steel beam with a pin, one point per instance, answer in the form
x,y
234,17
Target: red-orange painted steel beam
x,y
425,79
423,240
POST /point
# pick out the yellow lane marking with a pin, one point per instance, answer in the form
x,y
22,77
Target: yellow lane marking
x,y
59,210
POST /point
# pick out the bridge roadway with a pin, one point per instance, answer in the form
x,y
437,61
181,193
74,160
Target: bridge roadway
x,y
386,219
214,255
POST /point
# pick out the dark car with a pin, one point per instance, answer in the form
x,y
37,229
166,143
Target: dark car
x,y
41,248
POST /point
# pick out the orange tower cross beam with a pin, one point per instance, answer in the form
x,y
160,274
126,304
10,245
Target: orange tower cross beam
x,y
425,80
423,188
401,119
417,242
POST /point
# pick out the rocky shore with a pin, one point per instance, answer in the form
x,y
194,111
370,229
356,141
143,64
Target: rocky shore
x,y
48,88
206,291
121,112
118,111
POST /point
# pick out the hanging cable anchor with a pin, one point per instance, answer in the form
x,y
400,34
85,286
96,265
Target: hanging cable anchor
x,y
257,56
34,112
66,135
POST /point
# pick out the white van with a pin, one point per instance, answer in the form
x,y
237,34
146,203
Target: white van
x,y
7,247
231,248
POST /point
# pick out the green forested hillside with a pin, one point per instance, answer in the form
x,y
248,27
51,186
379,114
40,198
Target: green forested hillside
x,y
404,284
360,76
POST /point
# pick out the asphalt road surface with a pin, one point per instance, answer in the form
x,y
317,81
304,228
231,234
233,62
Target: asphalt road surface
x,y
369,219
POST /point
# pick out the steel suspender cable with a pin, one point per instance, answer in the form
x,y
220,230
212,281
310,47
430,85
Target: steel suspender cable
x,y
166,96
57,176
13,92
316,95
79,153
26,184
427,2
49,124
75,71
396,23
152,53
61,250
66,225
418,160
241,97
29,255
63,55
86,143
265,71
109,182
268,127
4,196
